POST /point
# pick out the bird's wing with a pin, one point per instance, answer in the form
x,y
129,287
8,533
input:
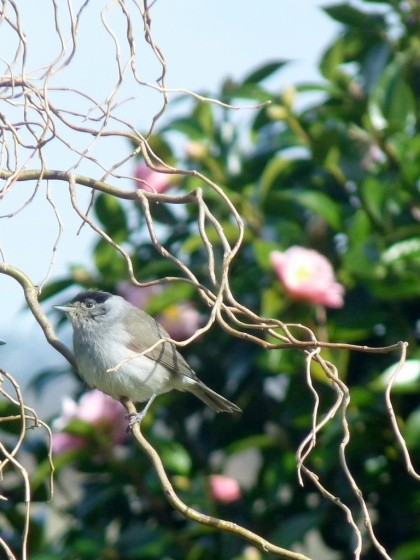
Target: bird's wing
x,y
145,332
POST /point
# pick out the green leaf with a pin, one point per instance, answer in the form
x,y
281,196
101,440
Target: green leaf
x,y
274,169
172,294
407,150
345,49
359,228
412,429
260,441
8,409
406,381
294,528
111,215
408,550
374,62
262,250
203,114
321,205
54,288
162,213
176,458
77,427
352,17
375,194
109,261
393,288
161,148
246,91
392,104
187,126
272,303
363,259
317,202
264,72
44,556
408,249
42,380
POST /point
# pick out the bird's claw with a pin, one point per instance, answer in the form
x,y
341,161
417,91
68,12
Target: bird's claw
x,y
134,418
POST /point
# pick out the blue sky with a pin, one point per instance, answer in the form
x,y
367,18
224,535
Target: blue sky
x,y
204,42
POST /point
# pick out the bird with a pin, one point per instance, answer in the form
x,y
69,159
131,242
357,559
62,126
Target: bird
x,y
111,342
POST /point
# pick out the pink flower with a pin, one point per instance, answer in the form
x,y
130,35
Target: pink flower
x,y
137,295
94,408
101,410
151,180
62,442
307,275
180,320
224,489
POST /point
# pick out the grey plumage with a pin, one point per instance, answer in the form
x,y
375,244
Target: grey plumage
x,y
109,337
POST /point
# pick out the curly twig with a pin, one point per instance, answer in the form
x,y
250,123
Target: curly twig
x,y
195,515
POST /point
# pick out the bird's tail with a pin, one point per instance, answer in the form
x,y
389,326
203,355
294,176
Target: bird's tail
x,y
212,399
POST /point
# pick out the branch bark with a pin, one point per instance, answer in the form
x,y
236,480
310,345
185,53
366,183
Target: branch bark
x,y
195,515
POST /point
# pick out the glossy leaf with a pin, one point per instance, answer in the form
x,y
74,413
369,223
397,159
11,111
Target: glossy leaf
x,y
187,126
54,288
172,294
264,72
176,458
322,205
203,114
392,104
247,90
109,211
351,16
108,260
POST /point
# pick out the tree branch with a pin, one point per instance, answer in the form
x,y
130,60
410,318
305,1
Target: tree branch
x,y
195,515
31,296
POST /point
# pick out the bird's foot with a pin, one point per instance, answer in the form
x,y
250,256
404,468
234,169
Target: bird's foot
x,y
138,417
135,418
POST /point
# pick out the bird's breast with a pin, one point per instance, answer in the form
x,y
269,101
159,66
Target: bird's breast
x,y
107,364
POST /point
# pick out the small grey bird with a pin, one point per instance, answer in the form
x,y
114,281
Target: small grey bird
x,y
109,334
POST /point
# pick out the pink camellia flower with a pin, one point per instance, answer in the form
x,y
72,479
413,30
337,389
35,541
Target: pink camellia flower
x,y
224,489
137,295
151,180
94,408
307,275
62,442
180,320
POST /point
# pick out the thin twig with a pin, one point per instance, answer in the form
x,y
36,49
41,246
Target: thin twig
x,y
394,423
195,515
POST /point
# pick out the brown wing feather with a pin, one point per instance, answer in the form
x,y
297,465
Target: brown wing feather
x,y
145,332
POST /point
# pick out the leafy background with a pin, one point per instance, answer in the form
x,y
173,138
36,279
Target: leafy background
x,y
340,176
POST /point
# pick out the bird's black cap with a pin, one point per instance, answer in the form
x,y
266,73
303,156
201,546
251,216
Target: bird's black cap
x,y
95,295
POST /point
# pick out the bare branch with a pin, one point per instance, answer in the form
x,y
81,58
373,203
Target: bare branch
x,y
31,296
195,515
400,439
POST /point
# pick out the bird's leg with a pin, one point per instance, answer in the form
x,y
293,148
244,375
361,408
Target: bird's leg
x,y
137,418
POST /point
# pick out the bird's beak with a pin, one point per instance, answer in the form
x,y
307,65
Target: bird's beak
x,y
64,308
2,342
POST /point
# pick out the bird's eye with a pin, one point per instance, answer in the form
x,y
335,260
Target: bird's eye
x,y
89,304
